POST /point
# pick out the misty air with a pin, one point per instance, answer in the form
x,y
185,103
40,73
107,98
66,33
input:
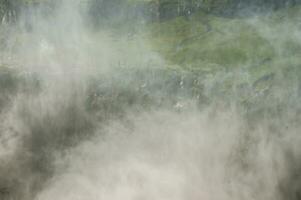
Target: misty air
x,y
150,99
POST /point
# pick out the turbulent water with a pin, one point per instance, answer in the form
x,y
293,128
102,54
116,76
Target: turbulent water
x,y
92,115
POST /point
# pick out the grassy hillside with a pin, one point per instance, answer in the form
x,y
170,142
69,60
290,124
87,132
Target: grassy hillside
x,y
206,41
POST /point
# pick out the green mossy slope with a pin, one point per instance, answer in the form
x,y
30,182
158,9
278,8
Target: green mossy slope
x,y
206,42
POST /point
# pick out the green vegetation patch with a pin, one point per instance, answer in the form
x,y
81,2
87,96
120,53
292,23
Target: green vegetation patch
x,y
205,41
198,43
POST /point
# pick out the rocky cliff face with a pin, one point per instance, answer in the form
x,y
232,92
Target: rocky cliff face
x,y
170,8
153,10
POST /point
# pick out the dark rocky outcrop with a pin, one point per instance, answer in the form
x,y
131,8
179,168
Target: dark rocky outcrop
x,y
154,10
